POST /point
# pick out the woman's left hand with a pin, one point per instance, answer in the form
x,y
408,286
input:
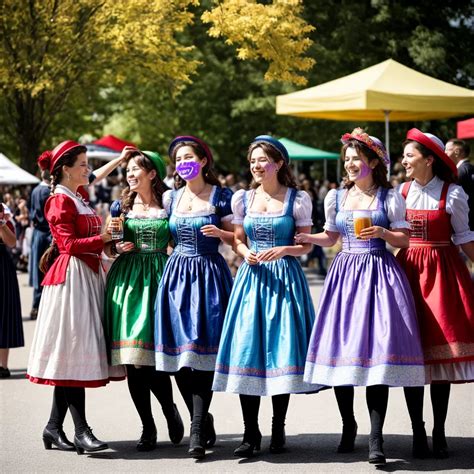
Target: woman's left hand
x,y
373,232
272,254
211,231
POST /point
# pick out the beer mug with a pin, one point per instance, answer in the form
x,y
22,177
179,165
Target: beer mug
x,y
117,233
362,220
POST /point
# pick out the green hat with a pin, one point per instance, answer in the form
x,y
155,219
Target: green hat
x,y
158,163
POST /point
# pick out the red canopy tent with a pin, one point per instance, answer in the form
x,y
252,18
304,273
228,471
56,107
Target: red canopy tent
x,y
465,129
113,142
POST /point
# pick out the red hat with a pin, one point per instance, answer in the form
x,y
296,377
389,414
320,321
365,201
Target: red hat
x,y
433,144
49,158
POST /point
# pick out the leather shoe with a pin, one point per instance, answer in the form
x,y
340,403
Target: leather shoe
x,y
420,449
4,373
57,438
86,441
147,441
376,454
251,442
278,439
175,426
440,446
34,314
349,433
196,446
209,431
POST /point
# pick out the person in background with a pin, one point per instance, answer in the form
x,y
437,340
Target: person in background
x,y
41,238
11,326
437,211
459,151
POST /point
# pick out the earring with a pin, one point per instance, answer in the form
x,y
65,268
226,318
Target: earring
x,y
69,177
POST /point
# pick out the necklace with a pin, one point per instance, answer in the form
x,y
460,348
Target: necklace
x,y
191,197
268,197
361,193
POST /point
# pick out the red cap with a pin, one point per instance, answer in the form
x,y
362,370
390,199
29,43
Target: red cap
x,y
432,145
48,159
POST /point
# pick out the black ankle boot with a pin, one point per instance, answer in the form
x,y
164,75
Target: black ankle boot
x,y
349,433
196,446
57,438
175,426
86,441
147,441
440,446
209,431
420,443
376,454
252,442
278,439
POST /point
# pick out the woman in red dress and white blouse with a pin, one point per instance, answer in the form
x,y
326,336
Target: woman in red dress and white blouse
x,y
68,349
437,210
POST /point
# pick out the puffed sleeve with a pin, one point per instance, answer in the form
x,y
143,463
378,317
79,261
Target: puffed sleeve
x,y
238,208
330,211
396,210
167,199
457,206
303,209
224,204
61,213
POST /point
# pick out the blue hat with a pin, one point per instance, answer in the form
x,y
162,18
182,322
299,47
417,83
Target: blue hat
x,y
275,144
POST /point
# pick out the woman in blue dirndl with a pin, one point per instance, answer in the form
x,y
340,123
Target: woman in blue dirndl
x,y
270,314
195,286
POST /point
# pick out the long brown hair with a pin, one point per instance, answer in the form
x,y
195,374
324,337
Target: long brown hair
x,y
440,168
208,172
157,185
68,159
379,173
285,175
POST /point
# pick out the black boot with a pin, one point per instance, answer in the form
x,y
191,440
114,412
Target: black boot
x,y
147,441
440,446
86,441
376,454
278,440
420,443
349,433
57,438
196,446
252,442
210,431
175,426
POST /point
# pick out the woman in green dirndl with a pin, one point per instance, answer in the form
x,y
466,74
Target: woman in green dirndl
x,y
132,285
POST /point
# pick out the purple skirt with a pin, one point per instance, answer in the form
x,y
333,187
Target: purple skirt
x,y
366,330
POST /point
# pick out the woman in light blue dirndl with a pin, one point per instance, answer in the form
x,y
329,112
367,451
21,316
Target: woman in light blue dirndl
x,y
270,314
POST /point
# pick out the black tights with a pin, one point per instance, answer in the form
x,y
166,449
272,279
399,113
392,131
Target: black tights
x,y
196,389
251,405
439,399
73,398
143,381
377,401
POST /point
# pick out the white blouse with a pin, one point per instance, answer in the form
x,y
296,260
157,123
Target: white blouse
x,y
427,198
302,208
394,207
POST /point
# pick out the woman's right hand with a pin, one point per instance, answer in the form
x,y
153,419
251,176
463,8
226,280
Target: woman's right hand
x,y
124,247
251,257
303,238
127,150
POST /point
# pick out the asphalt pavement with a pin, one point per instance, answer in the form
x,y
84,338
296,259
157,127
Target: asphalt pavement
x,y
313,428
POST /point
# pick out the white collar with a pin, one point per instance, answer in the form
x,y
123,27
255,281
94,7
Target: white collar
x,y
433,183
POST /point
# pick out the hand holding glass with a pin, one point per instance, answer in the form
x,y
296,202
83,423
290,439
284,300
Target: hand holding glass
x,y
362,220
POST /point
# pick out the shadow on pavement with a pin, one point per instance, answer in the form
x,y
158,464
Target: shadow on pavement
x,y
309,449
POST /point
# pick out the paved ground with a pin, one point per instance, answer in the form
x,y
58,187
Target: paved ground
x,y
313,429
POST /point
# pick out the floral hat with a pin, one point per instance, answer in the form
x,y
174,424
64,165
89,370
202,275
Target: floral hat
x,y
369,141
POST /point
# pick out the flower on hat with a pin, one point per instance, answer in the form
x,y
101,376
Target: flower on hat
x,y
44,161
363,137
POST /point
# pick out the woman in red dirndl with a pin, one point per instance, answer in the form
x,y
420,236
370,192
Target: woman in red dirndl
x,y
437,211
68,349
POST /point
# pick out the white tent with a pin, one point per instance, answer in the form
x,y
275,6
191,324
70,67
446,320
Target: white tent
x,y
13,174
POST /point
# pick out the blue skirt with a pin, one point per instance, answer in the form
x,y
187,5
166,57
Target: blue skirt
x,y
11,325
266,331
189,311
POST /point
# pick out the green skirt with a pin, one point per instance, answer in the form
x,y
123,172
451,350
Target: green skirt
x,y
132,285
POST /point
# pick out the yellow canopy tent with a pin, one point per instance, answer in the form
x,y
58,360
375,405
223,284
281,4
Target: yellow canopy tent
x,y
386,91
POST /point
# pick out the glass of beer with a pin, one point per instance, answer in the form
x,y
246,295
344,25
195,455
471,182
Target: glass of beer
x,y
362,220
